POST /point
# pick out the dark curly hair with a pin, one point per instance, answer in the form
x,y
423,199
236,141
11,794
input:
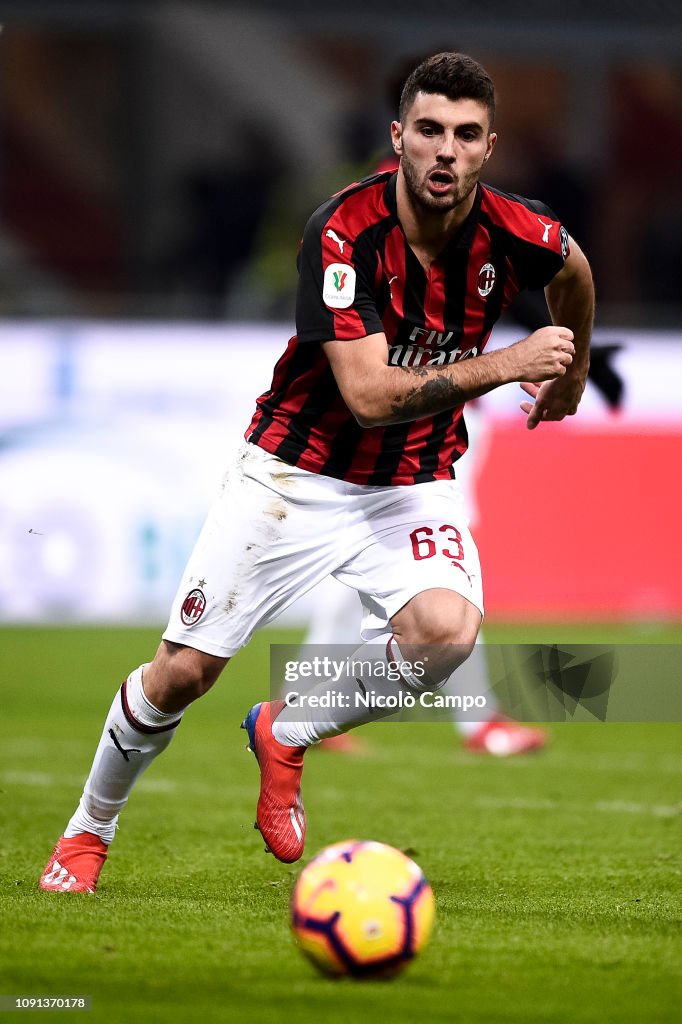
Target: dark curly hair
x,y
455,75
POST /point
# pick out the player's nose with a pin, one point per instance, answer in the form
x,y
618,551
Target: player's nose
x,y
446,147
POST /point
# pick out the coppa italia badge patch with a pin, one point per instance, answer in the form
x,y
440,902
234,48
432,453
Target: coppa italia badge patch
x,y
338,290
193,607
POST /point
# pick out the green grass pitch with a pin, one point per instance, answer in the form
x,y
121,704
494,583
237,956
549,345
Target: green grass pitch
x,y
557,876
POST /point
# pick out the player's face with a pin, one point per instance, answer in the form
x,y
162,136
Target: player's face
x,y
442,144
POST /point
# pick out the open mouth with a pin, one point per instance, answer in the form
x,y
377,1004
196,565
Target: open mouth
x,y
440,181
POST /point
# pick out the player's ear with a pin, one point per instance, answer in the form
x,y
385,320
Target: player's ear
x,y
492,139
397,137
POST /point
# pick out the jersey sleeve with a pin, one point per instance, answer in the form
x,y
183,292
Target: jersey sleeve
x,y
543,247
335,297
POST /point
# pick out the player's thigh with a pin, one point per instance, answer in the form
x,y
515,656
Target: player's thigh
x,y
419,543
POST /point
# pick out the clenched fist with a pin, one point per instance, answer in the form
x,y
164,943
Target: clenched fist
x,y
543,355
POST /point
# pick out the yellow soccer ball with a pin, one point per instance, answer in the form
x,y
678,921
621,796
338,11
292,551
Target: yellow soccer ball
x,y
362,909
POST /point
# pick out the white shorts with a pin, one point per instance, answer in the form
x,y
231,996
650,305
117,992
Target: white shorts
x,y
275,531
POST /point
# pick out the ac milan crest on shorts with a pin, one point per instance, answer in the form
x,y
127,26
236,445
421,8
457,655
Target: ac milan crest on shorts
x,y
193,607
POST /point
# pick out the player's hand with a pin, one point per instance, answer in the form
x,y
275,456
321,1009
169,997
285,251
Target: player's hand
x,y
553,400
544,354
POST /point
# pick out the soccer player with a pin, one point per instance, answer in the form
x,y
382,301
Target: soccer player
x,y
349,463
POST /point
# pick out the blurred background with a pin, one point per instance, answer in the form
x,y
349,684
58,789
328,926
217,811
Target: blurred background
x,y
158,161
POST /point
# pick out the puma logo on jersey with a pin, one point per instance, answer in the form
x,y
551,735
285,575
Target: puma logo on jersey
x,y
335,238
547,227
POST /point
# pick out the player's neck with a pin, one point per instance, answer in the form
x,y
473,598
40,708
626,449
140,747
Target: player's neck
x,y
428,233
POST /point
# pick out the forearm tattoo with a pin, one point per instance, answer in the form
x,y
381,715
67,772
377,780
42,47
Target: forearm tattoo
x,y
434,395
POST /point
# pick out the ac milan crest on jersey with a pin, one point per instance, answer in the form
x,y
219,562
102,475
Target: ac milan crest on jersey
x,y
486,279
193,607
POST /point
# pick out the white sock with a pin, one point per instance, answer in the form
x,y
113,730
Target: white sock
x,y
304,725
134,733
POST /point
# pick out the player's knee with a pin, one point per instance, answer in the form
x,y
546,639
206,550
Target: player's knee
x,y
443,654
451,633
180,675
440,635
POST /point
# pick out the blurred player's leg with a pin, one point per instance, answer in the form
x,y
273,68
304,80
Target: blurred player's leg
x,y
493,733
334,615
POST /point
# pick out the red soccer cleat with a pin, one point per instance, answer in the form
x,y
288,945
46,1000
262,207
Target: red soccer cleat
x,y
75,864
279,815
503,737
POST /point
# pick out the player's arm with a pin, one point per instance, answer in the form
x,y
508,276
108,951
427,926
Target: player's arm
x,y
378,394
570,297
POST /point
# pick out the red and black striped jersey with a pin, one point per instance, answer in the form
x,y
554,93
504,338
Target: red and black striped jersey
x,y
358,276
